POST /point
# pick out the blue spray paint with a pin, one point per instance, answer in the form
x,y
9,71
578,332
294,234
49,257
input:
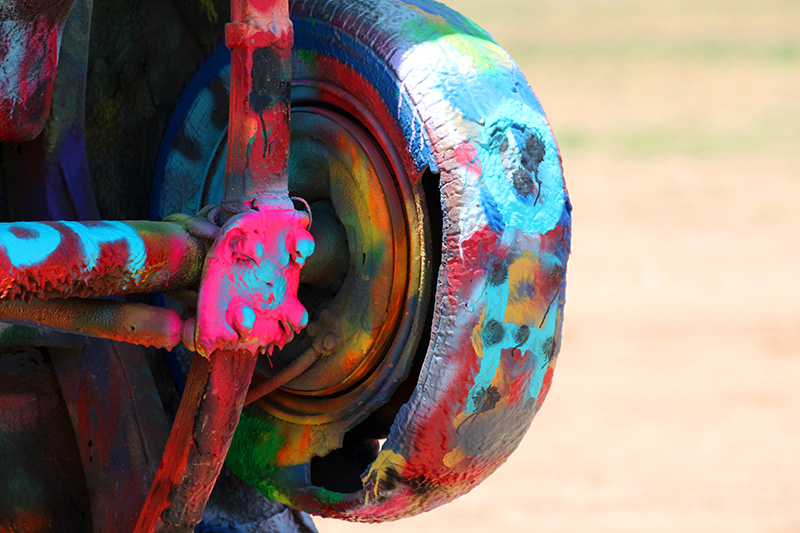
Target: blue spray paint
x,y
490,340
27,251
91,237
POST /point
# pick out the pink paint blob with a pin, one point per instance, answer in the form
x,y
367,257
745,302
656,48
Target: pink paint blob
x,y
248,294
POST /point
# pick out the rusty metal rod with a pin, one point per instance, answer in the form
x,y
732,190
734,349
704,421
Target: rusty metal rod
x,y
86,259
106,319
260,37
198,442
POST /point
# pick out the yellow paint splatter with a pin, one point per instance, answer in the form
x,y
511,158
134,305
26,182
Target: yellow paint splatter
x,y
387,461
522,304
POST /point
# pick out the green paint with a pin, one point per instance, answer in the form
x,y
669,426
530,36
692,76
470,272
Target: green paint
x,y
211,12
328,497
252,454
11,335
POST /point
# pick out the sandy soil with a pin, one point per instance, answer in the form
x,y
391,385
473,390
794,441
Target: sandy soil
x,y
675,405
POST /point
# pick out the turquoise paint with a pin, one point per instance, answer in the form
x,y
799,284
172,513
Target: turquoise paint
x,y
91,237
536,343
540,333
305,248
496,298
512,123
28,251
248,317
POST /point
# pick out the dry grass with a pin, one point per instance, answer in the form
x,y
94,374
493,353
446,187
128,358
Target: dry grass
x,y
676,404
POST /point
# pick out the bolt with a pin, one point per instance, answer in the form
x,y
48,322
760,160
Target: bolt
x,y
330,342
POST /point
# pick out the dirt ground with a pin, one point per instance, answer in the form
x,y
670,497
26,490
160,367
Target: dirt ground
x,y
675,405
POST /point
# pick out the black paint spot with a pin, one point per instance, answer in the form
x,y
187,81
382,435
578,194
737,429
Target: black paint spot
x,y
521,335
271,86
270,80
498,272
390,480
219,115
556,276
533,154
421,485
188,146
493,332
523,184
489,398
549,349
531,157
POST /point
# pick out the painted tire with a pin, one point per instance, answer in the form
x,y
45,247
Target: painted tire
x,y
448,107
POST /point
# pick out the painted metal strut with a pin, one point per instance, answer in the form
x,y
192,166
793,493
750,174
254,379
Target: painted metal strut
x,y
86,259
243,258
247,302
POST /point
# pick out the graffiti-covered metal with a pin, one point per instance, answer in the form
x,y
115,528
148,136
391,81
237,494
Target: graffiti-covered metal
x,y
247,300
140,324
63,259
260,39
465,110
363,290
454,116
409,113
30,36
47,178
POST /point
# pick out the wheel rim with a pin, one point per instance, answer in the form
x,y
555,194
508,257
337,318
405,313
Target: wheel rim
x,y
364,300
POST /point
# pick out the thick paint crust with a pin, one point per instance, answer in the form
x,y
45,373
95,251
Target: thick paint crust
x,y
248,295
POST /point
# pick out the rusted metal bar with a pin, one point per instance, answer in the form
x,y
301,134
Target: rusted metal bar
x,y
284,376
198,443
85,259
106,319
260,37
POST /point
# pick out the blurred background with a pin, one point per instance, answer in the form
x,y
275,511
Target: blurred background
x,y
676,401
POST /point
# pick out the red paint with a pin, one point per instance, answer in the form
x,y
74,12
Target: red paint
x,y
248,294
467,158
173,259
25,107
199,441
260,37
328,68
546,383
